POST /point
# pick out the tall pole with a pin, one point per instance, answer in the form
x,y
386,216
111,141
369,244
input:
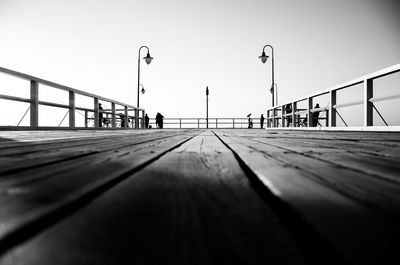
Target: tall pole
x,y
207,92
138,79
273,74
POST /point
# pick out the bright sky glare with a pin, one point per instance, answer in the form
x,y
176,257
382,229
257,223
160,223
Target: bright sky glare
x,y
92,45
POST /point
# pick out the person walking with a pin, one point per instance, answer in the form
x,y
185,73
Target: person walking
x,y
161,121
315,116
262,121
288,110
158,120
100,115
146,121
250,121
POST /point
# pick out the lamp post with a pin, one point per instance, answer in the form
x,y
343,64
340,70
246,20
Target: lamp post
x,y
264,59
142,90
148,59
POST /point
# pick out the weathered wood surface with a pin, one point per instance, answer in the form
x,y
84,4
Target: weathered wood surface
x,y
199,197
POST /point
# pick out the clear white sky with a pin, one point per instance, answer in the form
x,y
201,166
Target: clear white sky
x,y
92,45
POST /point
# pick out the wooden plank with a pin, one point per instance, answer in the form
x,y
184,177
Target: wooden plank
x,y
17,158
373,192
358,232
383,167
192,206
28,198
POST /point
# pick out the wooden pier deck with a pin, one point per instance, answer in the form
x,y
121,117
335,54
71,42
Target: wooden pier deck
x,y
199,197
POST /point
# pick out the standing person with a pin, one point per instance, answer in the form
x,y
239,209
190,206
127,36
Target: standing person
x,y
158,120
100,115
288,109
122,118
161,121
250,121
262,121
146,121
314,116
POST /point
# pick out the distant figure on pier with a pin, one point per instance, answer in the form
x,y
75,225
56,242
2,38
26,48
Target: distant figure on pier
x,y
314,116
146,121
250,121
288,109
262,121
159,120
100,115
122,118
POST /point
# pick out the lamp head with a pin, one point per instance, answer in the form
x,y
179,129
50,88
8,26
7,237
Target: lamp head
x,y
148,58
263,57
143,91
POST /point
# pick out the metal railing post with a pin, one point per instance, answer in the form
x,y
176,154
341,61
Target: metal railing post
x,y
332,109
294,109
233,122
96,113
368,106
283,122
34,103
86,118
126,116
198,123
142,121
71,109
309,107
113,116
180,123
273,118
136,118
216,123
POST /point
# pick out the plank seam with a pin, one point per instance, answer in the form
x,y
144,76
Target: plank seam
x,y
44,222
22,168
316,249
376,176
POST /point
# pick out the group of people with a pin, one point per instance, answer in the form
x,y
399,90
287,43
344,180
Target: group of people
x,y
288,109
159,121
314,116
106,121
250,121
160,118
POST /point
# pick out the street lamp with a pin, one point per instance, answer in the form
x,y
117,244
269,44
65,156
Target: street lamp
x,y
148,60
143,91
264,59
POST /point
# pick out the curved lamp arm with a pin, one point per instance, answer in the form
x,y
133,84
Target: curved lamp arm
x,y
148,60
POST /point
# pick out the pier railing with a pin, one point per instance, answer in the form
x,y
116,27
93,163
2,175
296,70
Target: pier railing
x,y
213,123
116,114
371,102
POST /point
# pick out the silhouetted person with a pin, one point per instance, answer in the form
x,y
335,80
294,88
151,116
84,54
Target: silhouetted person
x,y
122,117
250,121
262,121
314,116
146,121
288,109
100,115
159,120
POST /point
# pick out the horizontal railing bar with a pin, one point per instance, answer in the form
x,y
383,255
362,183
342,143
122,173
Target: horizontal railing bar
x,y
7,97
357,81
51,104
354,103
82,108
318,109
62,87
393,96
